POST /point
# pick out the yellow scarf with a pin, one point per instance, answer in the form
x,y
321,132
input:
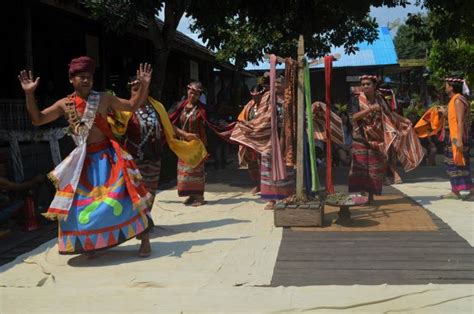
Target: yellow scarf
x,y
118,123
458,156
192,153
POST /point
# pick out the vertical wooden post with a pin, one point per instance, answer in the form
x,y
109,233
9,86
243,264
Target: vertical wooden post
x,y
300,122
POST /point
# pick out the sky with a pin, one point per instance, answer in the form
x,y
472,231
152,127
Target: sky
x,y
383,15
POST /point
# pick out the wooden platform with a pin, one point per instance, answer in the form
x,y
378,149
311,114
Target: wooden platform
x,y
373,258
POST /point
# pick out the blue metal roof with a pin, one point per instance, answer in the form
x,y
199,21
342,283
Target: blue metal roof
x,y
380,52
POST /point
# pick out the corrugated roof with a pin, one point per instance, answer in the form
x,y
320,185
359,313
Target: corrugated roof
x,y
380,52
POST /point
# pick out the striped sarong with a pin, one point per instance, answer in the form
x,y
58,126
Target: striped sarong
x,y
368,168
255,134
191,180
319,120
275,190
460,176
150,171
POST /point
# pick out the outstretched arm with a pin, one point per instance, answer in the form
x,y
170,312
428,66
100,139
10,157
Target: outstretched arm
x,y
187,136
29,85
139,91
8,185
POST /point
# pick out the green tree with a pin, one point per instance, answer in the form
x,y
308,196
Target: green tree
x,y
258,27
412,42
242,30
451,37
450,19
452,56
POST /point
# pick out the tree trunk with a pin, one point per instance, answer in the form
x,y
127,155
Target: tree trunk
x,y
162,40
160,61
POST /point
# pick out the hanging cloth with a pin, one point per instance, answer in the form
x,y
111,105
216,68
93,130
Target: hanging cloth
x,y
328,76
278,164
315,184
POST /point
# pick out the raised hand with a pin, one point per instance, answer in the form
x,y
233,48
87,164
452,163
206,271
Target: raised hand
x,y
190,137
144,74
375,107
27,81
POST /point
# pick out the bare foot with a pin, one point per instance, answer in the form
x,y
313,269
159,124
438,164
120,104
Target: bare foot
x,y
270,205
450,196
145,247
255,190
371,197
199,201
189,201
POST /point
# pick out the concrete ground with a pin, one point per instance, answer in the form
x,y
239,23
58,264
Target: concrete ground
x,y
220,258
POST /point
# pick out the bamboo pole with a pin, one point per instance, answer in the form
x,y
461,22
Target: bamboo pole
x,y
300,122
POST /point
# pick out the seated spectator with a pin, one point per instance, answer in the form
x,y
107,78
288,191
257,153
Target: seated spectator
x,y
8,189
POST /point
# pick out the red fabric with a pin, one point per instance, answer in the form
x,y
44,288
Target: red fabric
x,y
222,132
79,103
81,64
328,76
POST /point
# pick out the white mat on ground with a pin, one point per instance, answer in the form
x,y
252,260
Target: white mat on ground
x,y
213,258
457,214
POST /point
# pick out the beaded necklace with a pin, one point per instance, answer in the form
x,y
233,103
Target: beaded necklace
x,y
148,125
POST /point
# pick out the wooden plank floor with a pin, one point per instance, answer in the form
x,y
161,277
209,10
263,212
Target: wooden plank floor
x,y
373,258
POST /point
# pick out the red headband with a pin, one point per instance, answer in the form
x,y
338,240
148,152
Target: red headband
x,y
194,88
369,77
81,64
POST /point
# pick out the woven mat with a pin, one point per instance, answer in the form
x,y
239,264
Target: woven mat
x,y
391,212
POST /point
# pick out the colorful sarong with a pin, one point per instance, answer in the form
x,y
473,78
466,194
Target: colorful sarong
x,y
275,190
102,214
191,180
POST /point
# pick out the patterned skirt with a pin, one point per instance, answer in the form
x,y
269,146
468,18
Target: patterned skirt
x,y
102,214
191,181
252,158
460,176
368,168
275,190
150,171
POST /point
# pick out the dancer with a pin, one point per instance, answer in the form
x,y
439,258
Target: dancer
x,y
100,200
458,139
191,117
377,132
247,156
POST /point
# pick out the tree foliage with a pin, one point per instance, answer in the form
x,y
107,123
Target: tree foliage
x,y
453,56
446,29
411,42
257,27
448,19
243,30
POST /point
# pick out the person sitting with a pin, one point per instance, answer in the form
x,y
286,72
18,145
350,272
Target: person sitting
x,y
9,204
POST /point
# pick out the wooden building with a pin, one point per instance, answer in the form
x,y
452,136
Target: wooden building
x,y
45,35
